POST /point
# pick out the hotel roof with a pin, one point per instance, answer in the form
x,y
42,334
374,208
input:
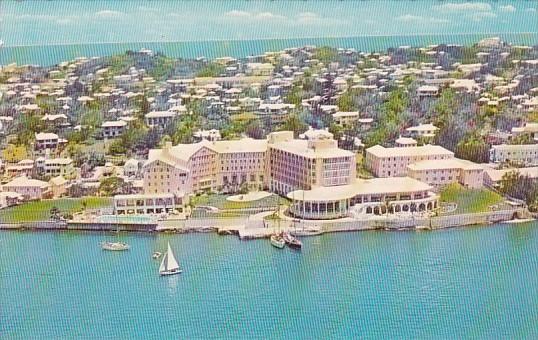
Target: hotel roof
x,y
496,175
515,147
300,147
452,163
380,151
374,186
186,151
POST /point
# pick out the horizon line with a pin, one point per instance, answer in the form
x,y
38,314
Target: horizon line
x,y
492,34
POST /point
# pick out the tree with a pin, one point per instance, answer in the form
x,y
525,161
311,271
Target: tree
x,y
111,186
54,213
337,131
254,129
522,139
473,148
516,185
326,54
345,102
211,70
13,153
75,151
295,95
295,124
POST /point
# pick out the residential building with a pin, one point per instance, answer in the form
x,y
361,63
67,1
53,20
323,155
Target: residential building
x,y
47,141
259,69
493,177
8,199
58,186
210,135
405,142
30,189
428,91
529,128
113,129
442,172
346,119
423,130
393,162
24,167
131,167
275,112
160,118
525,154
56,167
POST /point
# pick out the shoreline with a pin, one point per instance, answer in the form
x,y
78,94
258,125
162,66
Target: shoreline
x,y
305,228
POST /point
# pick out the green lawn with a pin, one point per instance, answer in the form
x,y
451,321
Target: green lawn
x,y
470,200
40,210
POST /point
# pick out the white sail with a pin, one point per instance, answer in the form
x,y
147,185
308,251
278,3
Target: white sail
x,y
162,268
171,262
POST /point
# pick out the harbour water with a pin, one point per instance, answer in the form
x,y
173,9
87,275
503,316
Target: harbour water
x,y
47,55
479,282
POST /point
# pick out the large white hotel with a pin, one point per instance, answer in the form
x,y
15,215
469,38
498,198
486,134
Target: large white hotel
x,y
318,176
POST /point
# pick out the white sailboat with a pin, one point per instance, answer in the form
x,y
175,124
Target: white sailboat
x,y
169,265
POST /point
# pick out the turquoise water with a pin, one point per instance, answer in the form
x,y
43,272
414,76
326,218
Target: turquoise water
x,y
479,282
54,54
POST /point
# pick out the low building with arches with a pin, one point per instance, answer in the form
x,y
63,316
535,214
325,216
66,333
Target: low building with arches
x,y
377,196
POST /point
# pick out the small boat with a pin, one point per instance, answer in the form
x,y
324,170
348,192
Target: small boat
x,y
156,255
277,241
115,246
169,265
307,232
292,241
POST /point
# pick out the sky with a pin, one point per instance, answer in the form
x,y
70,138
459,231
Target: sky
x,y
73,22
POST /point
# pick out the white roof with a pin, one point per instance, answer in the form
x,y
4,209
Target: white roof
x,y
26,182
158,114
300,147
515,147
142,196
428,88
316,133
406,141
451,163
375,186
185,151
62,161
423,127
278,106
115,123
496,175
45,135
54,117
59,180
423,150
341,114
